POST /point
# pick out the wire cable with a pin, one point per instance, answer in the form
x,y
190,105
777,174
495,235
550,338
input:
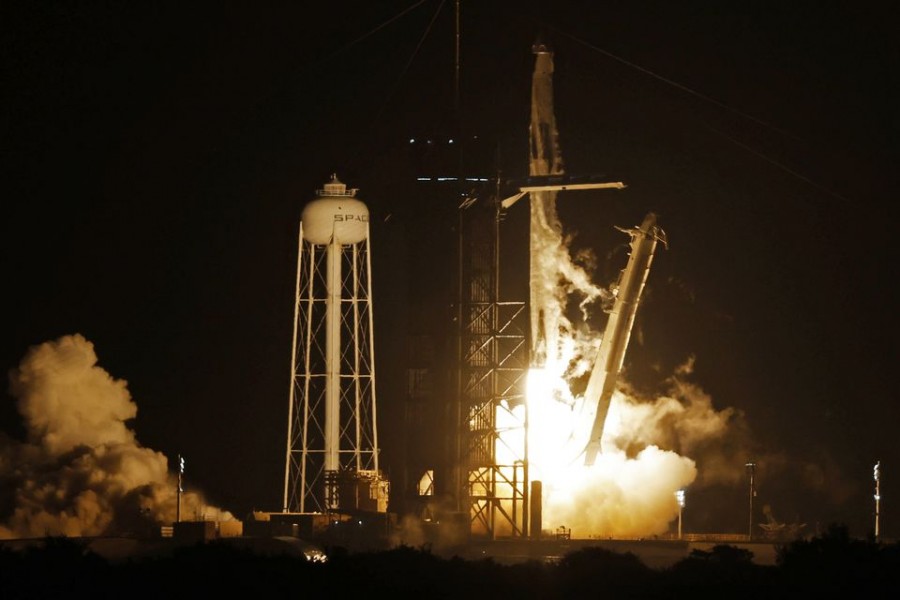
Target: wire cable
x,y
403,72
722,105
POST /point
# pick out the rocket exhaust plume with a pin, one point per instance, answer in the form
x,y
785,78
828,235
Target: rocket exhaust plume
x,y
627,485
553,274
81,471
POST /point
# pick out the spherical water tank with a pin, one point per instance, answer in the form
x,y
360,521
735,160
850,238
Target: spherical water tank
x,y
335,213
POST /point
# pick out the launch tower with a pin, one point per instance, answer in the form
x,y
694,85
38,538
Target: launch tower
x,y
491,417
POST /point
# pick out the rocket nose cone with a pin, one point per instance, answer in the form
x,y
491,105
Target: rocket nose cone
x,y
541,46
651,229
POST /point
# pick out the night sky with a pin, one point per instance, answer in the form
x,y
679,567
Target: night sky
x,y
157,157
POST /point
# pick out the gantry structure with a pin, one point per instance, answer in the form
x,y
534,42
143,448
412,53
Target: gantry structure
x,y
491,413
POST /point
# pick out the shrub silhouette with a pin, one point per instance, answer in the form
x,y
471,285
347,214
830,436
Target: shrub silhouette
x,y
591,571
724,570
836,562
833,565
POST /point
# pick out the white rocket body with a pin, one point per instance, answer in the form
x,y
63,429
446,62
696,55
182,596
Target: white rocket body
x,y
602,381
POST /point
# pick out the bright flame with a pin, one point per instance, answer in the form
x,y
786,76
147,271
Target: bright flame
x,y
618,495
553,432
630,489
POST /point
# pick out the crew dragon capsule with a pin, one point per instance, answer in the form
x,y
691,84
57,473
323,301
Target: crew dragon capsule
x,y
602,381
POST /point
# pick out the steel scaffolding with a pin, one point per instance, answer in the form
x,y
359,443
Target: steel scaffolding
x,y
492,468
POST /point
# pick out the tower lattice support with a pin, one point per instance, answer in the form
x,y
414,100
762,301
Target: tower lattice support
x,y
492,417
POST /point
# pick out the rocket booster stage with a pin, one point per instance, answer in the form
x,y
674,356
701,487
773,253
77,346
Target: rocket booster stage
x,y
609,361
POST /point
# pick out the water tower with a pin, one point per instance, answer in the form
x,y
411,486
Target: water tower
x,y
332,441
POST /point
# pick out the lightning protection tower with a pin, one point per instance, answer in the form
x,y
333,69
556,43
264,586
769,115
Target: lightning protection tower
x,y
332,441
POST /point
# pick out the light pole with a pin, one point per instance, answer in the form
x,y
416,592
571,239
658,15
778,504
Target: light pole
x,y
751,466
877,498
180,489
679,495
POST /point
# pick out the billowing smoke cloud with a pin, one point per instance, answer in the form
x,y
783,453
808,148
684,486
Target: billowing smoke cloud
x,y
684,420
81,470
652,447
619,496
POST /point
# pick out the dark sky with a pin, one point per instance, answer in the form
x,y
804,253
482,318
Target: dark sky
x,y
157,156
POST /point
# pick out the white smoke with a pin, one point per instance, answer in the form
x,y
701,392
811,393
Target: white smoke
x,y
81,470
652,447
683,419
619,496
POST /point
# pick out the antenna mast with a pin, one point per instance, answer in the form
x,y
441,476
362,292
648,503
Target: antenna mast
x,y
456,71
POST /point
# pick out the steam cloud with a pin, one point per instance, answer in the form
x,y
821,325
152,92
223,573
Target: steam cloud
x,y
630,489
652,447
81,470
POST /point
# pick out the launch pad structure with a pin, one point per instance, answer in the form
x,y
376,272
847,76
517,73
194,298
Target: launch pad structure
x,y
480,482
491,436
496,349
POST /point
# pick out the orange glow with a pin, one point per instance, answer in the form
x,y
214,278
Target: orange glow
x,y
618,495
